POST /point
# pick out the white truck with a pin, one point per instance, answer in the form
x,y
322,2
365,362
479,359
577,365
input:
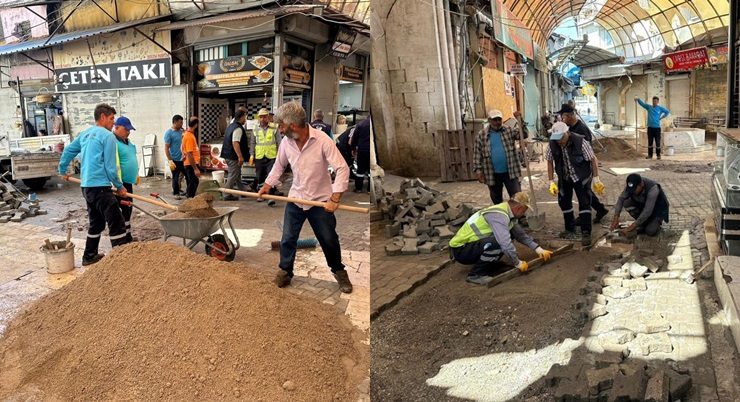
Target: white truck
x,y
33,160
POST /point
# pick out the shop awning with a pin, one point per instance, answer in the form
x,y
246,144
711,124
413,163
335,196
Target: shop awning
x,y
61,38
243,15
583,55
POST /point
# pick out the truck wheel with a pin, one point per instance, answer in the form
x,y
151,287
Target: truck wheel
x,y
36,183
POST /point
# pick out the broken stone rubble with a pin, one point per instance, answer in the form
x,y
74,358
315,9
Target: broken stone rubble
x,y
15,206
421,213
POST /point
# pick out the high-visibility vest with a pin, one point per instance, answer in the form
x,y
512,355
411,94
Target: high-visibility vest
x,y
477,228
264,143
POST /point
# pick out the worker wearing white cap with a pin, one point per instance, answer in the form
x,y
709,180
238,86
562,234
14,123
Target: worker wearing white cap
x,y
496,162
263,149
571,156
487,236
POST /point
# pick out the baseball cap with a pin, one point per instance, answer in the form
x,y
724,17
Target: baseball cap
x,y
263,112
565,108
557,131
522,197
493,114
124,122
633,180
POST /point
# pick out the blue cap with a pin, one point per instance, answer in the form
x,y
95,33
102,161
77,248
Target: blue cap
x,y
124,122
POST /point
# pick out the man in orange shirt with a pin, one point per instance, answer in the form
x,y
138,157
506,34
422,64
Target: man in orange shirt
x,y
191,157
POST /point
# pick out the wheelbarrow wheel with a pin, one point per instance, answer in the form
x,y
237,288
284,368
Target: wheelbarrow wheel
x,y
222,243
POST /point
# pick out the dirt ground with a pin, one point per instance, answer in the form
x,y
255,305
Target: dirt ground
x,y
450,319
155,321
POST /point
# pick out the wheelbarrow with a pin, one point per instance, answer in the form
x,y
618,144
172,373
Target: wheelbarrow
x,y
202,230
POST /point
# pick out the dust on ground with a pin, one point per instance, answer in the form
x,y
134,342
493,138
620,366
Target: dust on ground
x,y
683,166
613,149
451,319
157,321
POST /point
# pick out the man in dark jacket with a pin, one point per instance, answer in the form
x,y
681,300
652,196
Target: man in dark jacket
x,y
575,125
360,146
572,157
646,202
235,147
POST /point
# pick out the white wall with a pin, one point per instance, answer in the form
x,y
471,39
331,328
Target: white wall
x,y
8,118
325,82
150,111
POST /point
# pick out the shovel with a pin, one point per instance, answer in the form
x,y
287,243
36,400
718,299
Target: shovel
x,y
537,220
293,200
138,197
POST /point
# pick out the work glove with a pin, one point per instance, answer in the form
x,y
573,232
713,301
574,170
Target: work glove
x,y
598,186
522,266
138,180
251,161
553,189
172,166
544,254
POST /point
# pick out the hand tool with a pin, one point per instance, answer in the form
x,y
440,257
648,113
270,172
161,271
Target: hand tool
x,y
513,273
293,200
138,197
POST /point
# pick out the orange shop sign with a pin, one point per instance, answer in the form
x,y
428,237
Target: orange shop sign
x,y
686,60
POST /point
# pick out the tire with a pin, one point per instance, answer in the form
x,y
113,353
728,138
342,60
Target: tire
x,y
36,183
223,243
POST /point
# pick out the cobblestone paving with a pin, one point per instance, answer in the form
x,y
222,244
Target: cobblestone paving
x,y
688,194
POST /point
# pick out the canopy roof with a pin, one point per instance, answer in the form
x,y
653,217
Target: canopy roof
x,y
635,27
583,55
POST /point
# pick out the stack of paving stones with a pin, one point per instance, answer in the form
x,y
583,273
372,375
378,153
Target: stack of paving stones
x,y
607,374
15,206
423,220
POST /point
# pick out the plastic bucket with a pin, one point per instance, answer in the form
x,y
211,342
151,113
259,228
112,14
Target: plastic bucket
x,y
219,175
670,151
59,261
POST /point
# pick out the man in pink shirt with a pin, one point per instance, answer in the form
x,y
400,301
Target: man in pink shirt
x,y
309,152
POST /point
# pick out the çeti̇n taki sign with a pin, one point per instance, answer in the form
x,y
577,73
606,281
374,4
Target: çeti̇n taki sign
x,y
134,74
686,60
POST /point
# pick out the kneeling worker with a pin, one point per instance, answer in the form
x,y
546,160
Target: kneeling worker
x,y
487,235
646,202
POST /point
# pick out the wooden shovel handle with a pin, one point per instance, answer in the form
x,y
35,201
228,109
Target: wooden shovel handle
x,y
293,200
138,197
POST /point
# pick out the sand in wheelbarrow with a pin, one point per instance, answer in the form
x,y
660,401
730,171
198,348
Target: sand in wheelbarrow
x,y
200,201
154,321
196,213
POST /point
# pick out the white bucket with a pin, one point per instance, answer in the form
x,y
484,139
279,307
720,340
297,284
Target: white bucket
x,y
59,261
670,151
218,175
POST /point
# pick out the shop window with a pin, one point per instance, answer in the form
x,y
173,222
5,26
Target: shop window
x,y
261,46
234,49
211,53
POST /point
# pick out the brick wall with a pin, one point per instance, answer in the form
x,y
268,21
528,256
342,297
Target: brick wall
x,y
710,92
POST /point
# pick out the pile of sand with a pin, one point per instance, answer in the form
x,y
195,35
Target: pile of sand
x,y
616,149
157,321
196,213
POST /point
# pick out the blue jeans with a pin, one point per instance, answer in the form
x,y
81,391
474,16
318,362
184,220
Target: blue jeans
x,y
324,226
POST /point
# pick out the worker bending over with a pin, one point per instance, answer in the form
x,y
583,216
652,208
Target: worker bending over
x,y
487,235
646,202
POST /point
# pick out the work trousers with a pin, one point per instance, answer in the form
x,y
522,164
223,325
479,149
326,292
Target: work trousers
x,y
234,180
363,169
127,210
262,167
102,209
653,135
482,254
192,181
565,201
324,225
496,191
179,169
651,227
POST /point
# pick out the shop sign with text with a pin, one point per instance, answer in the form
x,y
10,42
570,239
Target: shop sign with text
x,y
351,74
686,60
127,75
236,71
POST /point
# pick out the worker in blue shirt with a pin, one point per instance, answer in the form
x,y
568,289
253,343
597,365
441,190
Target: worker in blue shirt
x,y
656,113
128,167
318,123
98,149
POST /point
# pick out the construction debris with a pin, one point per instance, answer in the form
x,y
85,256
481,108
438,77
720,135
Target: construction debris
x,y
422,219
16,206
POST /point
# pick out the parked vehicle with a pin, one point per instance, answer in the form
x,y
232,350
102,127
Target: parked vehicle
x,y
33,160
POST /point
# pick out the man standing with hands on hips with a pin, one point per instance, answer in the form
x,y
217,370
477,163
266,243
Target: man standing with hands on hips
x,y
309,152
98,149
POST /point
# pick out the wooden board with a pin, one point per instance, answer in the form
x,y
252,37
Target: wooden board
x,y
456,154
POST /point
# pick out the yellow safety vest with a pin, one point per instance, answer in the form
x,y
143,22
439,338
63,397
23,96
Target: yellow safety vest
x,y
477,228
264,146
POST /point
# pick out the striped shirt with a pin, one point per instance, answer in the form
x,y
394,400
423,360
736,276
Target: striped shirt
x,y
588,154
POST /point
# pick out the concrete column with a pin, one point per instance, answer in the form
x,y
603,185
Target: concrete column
x,y
454,101
277,79
443,58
